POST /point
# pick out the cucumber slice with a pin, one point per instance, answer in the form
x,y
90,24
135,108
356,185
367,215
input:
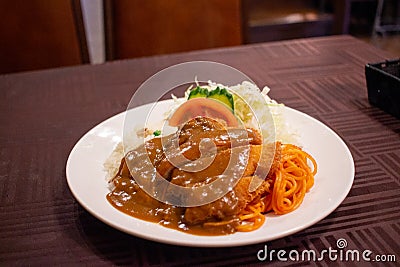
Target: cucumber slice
x,y
223,96
198,92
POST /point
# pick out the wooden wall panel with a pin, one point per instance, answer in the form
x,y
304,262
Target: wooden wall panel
x,y
141,28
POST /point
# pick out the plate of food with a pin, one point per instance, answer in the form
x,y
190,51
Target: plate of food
x,y
309,174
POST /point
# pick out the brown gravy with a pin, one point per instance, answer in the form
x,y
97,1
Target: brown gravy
x,y
130,199
126,198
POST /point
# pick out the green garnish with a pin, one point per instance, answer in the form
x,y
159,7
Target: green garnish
x,y
198,92
157,133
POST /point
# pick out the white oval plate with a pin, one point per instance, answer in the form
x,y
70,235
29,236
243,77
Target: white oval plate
x,y
86,180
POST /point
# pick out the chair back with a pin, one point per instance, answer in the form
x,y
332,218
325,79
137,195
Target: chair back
x,y
38,34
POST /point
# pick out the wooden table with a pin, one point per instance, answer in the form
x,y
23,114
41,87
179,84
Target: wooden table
x,y
44,113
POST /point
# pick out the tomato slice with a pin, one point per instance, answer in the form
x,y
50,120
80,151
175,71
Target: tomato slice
x,y
204,107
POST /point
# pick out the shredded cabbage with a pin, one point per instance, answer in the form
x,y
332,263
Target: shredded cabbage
x,y
251,94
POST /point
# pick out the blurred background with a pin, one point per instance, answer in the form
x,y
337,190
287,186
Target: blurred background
x,y
40,34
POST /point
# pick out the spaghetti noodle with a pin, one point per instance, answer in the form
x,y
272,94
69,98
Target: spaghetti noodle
x,y
252,216
289,184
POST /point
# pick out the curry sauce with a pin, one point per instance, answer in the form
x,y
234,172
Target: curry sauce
x,y
219,217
